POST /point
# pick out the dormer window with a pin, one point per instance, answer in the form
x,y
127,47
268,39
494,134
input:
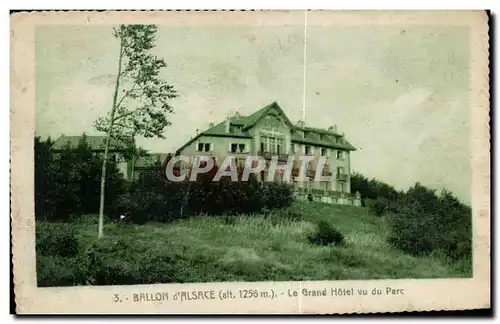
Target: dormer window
x,y
204,147
237,147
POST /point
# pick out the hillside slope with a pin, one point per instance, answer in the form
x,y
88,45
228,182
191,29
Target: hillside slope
x,y
241,248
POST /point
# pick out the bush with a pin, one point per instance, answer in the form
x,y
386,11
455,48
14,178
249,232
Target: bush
x,y
154,197
372,189
425,223
377,206
325,234
56,271
56,240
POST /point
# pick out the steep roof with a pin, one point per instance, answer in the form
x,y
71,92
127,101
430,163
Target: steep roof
x,y
256,116
313,136
220,131
96,143
321,138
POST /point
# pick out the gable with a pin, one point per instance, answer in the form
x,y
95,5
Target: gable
x,y
273,109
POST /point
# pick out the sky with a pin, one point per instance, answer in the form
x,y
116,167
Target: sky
x,y
399,93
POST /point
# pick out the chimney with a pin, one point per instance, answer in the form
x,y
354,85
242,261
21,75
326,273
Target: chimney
x,y
301,124
333,129
237,114
211,124
228,123
197,130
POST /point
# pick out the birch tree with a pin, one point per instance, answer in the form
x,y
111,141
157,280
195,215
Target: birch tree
x,y
140,98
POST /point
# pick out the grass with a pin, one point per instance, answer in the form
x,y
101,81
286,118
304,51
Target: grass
x,y
252,248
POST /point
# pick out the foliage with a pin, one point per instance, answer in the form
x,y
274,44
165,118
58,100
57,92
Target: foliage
x,y
377,206
372,189
326,234
56,240
427,222
421,221
144,103
155,198
67,182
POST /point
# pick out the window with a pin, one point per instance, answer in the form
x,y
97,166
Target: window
x,y
324,152
262,146
113,158
308,149
340,186
237,147
340,170
272,144
280,145
340,155
204,147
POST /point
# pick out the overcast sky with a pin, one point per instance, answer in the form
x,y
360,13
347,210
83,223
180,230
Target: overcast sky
x,y
400,94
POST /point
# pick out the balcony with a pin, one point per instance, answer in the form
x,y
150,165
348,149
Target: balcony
x,y
309,173
326,173
342,177
269,155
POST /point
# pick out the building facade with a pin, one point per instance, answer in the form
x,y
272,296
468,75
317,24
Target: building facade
x,y
268,132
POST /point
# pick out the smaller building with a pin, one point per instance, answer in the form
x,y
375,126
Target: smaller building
x,y
147,163
117,152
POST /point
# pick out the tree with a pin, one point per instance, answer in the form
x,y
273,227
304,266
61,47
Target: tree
x,y
140,98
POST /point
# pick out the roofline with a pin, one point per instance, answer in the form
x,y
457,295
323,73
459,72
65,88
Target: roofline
x,y
93,150
317,130
274,104
292,126
346,148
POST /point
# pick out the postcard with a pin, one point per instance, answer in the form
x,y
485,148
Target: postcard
x,y
250,162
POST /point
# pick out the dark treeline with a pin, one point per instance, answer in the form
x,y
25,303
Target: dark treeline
x,y
67,182
67,186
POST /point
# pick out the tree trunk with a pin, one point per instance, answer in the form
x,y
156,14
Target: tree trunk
x,y
132,171
107,144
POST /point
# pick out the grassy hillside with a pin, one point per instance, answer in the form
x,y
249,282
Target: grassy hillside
x,y
240,248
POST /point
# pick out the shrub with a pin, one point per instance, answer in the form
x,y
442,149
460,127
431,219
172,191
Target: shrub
x,y
57,240
109,261
372,189
425,223
325,234
56,271
153,197
377,206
